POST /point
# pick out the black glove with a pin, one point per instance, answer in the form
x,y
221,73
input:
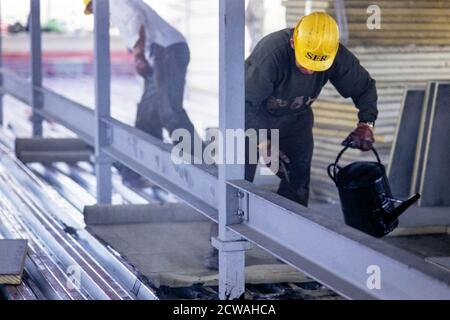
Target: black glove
x,y
361,138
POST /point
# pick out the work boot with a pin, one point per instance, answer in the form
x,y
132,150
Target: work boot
x,y
211,261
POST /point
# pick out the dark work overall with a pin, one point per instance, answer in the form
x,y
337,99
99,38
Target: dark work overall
x,y
161,105
296,141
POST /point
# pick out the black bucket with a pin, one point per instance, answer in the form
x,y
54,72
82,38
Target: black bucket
x,y
366,197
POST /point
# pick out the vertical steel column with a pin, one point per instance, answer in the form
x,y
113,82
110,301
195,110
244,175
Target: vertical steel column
x,y
102,99
1,66
231,116
36,64
341,16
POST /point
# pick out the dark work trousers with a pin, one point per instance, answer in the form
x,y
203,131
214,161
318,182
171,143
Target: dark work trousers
x,y
161,105
296,141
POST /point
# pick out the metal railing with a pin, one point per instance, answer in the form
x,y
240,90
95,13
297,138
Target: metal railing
x,y
327,250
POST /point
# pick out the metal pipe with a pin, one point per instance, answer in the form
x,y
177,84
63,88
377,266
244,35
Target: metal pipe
x,y
341,17
1,66
36,65
102,99
231,117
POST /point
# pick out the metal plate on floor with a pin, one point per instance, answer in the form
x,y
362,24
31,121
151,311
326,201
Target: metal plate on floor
x,y
443,262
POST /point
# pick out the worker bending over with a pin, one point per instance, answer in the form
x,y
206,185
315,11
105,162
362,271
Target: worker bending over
x,y
283,77
161,57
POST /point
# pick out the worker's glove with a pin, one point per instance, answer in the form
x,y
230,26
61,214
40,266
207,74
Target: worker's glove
x,y
265,149
361,138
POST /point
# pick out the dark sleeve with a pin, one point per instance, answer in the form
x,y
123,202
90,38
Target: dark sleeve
x,y
354,81
260,78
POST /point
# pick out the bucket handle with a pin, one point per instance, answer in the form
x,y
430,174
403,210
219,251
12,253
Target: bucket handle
x,y
334,167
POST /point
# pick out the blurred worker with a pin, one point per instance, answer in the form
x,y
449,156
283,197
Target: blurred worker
x,y
161,57
283,77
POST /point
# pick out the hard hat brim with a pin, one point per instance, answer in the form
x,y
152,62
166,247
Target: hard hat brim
x,y
318,66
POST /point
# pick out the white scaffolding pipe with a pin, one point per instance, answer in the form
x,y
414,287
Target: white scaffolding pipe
x,y
1,66
36,64
231,116
102,99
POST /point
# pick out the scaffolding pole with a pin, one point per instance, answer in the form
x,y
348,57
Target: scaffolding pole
x,y
36,65
102,100
1,66
231,116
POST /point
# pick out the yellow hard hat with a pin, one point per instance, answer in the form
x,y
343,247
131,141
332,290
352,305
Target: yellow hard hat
x,y
86,4
316,41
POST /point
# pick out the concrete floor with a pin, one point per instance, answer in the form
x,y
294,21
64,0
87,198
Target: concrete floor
x,y
167,244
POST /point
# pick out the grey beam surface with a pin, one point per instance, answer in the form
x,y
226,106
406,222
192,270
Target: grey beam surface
x,y
425,117
36,64
435,175
334,254
17,87
102,67
150,157
401,163
71,114
341,16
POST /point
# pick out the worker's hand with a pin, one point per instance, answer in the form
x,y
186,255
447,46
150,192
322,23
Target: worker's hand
x,y
142,66
266,150
361,138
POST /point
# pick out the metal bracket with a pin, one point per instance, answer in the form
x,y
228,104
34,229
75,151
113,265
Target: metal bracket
x,y
242,211
240,207
109,133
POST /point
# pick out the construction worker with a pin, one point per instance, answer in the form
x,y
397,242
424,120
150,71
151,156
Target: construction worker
x,y
161,57
283,77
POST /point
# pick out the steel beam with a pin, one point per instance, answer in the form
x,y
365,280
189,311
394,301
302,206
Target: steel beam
x,y
341,16
150,157
1,66
231,116
72,115
401,163
434,181
102,100
36,65
16,86
419,159
334,254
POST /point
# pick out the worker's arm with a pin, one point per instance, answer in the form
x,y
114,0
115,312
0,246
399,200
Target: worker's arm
x,y
353,81
141,64
260,79
128,17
